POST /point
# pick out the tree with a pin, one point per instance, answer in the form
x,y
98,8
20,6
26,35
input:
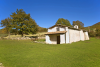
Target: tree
x,y
7,23
63,22
23,23
79,23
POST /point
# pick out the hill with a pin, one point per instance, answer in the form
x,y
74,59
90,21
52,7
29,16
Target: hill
x,y
93,27
97,25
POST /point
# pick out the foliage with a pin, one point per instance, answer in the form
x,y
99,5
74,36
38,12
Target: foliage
x,y
63,21
41,29
19,23
97,25
7,23
94,30
79,23
23,23
97,32
3,31
25,53
92,34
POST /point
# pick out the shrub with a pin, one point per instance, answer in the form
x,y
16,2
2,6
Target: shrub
x,y
92,34
97,32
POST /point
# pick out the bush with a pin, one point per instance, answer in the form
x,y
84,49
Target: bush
x,y
92,34
97,32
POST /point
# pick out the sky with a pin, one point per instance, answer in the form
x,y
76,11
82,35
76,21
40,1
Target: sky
x,y
47,12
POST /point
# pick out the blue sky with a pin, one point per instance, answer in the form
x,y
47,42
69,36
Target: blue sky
x,y
47,12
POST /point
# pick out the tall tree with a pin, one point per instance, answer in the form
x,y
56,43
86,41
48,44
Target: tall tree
x,y
23,22
63,22
79,23
7,23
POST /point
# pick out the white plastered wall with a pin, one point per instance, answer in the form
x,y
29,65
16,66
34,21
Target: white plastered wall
x,y
67,35
86,35
82,35
53,29
74,35
51,39
62,38
48,39
62,29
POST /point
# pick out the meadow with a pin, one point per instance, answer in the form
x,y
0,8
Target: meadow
x,y
26,53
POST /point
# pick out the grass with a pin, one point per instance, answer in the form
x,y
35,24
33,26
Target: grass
x,y
41,40
26,53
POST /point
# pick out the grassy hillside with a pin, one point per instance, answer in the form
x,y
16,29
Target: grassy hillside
x,y
25,53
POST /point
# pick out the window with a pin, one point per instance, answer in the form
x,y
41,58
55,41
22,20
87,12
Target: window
x,y
58,29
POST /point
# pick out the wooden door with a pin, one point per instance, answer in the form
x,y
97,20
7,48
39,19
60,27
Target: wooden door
x,y
58,39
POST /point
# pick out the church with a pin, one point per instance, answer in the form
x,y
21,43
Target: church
x,y
61,34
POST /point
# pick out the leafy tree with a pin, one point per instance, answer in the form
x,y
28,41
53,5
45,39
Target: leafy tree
x,y
23,23
7,23
63,22
79,23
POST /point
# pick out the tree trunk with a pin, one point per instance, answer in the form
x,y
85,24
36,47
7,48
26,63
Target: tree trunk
x,y
22,33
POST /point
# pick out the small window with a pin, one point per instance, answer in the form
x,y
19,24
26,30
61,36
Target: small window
x,y
57,29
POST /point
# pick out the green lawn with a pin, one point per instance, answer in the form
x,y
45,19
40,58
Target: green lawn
x,y
25,53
